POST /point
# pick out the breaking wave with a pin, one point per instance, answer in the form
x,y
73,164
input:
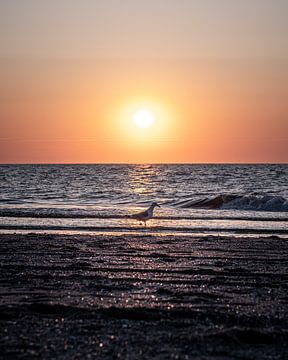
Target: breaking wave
x,y
238,202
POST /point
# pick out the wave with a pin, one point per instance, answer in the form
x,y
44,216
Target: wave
x,y
173,209
238,202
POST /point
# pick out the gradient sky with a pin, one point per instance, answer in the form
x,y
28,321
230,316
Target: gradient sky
x,y
214,72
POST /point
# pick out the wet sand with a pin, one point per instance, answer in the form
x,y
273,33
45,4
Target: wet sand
x,y
143,297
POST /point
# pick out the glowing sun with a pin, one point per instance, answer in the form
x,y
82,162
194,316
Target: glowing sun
x,y
143,118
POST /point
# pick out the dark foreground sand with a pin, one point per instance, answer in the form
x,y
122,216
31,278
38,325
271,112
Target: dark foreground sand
x,y
143,297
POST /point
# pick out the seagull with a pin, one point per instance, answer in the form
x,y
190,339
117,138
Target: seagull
x,y
145,215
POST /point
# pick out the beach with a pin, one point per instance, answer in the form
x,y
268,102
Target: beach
x,y
143,180
143,296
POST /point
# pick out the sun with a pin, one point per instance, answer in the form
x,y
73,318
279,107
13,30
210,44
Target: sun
x,y
143,118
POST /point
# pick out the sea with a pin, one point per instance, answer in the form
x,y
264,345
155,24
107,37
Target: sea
x,y
239,200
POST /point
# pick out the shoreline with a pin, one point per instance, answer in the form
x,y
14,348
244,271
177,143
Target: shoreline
x,y
143,296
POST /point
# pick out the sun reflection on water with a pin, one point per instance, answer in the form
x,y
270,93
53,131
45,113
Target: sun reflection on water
x,y
143,181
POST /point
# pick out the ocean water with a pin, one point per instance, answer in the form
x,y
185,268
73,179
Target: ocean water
x,y
241,200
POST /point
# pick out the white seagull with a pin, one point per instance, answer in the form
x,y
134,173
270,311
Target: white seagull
x,y
145,215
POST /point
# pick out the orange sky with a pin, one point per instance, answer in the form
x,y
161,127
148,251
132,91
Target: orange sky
x,y
218,87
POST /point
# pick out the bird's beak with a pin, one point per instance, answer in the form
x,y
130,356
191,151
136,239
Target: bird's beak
x,y
158,205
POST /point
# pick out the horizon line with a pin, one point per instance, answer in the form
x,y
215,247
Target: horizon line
x,y
146,163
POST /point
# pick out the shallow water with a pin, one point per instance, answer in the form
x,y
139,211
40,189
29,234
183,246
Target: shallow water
x,y
193,198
